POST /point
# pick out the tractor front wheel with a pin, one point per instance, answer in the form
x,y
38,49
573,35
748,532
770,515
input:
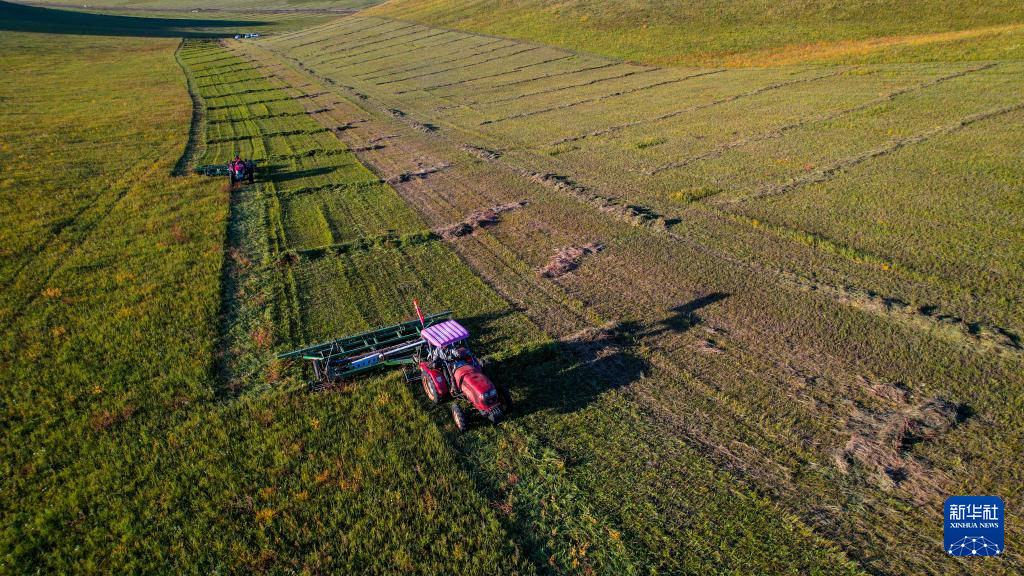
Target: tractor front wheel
x,y
429,388
459,417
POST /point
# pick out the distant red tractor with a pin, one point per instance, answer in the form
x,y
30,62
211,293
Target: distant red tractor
x,y
434,345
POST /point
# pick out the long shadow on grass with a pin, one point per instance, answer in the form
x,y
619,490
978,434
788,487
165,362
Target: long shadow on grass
x,y
21,18
279,173
569,374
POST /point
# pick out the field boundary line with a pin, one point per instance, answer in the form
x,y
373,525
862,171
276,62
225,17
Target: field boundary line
x,y
125,186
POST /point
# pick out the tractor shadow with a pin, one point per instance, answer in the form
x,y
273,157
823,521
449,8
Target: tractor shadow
x,y
684,317
566,375
282,173
22,18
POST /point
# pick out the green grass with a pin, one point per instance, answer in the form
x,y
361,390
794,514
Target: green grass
x,y
746,32
109,301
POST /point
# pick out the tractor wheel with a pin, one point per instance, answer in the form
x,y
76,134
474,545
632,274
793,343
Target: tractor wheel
x,y
429,388
459,416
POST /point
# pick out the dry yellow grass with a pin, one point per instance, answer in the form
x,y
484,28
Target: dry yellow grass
x,y
845,49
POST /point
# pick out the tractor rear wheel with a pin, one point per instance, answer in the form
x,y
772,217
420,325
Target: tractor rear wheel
x,y
459,417
429,388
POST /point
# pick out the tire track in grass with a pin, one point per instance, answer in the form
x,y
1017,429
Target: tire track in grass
x,y
600,98
780,131
841,165
694,108
123,187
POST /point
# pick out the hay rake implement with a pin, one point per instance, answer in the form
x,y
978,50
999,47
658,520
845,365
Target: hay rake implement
x,y
433,351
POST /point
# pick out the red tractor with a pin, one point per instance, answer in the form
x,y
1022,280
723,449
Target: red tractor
x,y
449,370
434,345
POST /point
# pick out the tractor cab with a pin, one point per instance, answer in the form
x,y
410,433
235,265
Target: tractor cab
x,y
446,343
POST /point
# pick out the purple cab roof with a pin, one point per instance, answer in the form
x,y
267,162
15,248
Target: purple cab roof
x,y
444,333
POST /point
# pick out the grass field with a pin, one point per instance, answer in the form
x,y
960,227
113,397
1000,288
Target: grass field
x,y
741,33
755,320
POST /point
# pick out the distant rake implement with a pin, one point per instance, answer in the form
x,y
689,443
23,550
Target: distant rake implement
x,y
433,351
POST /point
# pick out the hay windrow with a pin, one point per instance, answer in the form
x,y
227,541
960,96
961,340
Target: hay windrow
x,y
479,219
568,259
